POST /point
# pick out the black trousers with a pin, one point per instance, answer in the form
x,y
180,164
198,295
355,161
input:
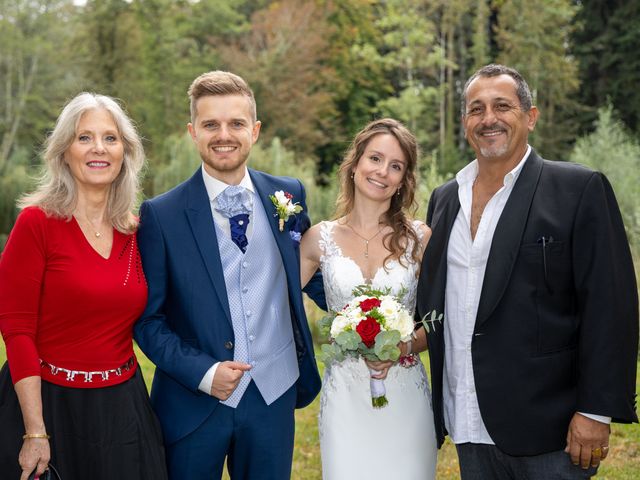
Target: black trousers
x,y
480,461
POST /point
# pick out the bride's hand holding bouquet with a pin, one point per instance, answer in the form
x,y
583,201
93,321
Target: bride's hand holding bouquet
x,y
370,326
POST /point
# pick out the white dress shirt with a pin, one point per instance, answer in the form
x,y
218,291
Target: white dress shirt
x,y
214,188
466,265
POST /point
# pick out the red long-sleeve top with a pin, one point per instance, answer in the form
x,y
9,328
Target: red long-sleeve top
x,y
65,304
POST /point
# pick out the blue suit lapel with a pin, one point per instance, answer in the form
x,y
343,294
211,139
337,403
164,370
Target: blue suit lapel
x,y
200,219
264,188
507,237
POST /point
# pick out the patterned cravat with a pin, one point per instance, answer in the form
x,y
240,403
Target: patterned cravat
x,y
234,203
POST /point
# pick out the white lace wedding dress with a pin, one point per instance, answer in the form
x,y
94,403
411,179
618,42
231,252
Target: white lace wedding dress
x,y
358,441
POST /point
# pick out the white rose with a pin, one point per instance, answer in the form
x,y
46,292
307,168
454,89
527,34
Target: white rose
x,y
358,299
355,318
405,324
280,196
339,325
389,308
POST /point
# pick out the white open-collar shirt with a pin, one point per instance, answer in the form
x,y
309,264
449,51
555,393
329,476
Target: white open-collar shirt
x,y
466,264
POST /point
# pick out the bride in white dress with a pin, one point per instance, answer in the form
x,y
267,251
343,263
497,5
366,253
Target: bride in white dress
x,y
373,242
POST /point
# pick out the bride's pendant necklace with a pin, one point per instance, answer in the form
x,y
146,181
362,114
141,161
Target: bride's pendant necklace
x,y
366,240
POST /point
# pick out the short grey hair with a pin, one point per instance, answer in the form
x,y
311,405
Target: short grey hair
x,y
56,192
494,70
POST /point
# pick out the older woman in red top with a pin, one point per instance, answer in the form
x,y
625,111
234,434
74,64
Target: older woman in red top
x,y
71,287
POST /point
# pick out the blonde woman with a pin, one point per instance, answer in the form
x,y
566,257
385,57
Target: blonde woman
x,y
71,287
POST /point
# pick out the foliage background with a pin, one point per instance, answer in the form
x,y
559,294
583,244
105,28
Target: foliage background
x,y
320,70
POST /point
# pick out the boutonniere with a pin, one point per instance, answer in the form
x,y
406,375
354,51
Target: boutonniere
x,y
283,201
430,320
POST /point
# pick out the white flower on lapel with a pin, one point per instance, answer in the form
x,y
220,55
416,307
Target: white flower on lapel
x,y
283,201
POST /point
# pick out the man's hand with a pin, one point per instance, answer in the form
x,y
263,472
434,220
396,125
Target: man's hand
x,y
584,436
227,377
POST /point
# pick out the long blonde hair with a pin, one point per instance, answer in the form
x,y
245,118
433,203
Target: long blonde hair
x,y
57,194
396,216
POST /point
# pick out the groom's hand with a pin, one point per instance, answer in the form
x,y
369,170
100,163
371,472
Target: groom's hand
x,y
584,436
227,377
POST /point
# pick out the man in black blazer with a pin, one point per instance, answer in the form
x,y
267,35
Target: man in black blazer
x,y
530,264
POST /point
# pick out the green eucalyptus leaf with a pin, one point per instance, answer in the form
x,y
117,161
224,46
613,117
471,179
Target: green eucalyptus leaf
x,y
348,340
324,324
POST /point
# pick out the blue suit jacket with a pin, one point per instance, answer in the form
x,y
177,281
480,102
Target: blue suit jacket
x,y
186,325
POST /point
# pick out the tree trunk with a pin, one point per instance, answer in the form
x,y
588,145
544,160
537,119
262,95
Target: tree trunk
x,y
9,136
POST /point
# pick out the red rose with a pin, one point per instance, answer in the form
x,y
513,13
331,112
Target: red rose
x,y
369,303
288,195
368,329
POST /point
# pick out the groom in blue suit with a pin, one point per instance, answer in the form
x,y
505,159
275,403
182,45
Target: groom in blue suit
x,y
224,322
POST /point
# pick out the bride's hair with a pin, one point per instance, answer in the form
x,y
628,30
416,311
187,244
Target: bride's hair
x,y
402,203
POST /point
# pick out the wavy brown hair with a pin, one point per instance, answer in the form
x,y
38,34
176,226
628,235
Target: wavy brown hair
x,y
397,216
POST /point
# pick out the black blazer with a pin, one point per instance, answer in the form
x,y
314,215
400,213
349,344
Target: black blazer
x,y
557,327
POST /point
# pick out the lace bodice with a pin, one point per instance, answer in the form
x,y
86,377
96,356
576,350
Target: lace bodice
x,y
341,274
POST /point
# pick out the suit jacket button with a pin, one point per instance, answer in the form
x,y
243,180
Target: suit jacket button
x,y
228,345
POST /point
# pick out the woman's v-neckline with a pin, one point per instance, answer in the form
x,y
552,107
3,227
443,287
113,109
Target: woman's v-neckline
x,y
88,243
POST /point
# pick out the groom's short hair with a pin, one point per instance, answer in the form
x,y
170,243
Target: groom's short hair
x,y
219,82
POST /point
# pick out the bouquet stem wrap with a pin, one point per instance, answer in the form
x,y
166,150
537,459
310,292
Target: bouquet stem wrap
x,y
378,391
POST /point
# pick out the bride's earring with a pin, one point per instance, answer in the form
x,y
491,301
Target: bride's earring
x,y
352,175
398,192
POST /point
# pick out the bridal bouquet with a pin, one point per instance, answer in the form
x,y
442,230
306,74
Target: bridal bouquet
x,y
370,326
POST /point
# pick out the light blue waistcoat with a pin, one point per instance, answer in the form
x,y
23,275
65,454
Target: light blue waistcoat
x,y
256,285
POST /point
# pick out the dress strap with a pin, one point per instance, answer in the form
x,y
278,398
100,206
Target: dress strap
x,y
327,245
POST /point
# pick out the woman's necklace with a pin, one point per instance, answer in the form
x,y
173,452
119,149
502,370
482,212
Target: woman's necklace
x,y
96,232
366,240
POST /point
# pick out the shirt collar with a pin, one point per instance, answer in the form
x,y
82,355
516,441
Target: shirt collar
x,y
470,172
215,187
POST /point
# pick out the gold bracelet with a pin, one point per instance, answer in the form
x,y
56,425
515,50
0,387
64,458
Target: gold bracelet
x,y
35,435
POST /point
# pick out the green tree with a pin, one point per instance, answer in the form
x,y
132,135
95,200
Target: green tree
x,y
606,44
480,48
612,150
359,82
36,75
533,37
283,57
109,42
15,181
412,57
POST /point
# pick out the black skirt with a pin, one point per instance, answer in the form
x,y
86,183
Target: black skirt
x,y
98,433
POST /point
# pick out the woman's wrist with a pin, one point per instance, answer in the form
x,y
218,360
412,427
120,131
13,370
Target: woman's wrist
x,y
408,348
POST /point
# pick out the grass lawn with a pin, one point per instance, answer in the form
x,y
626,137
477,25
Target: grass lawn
x,y
623,462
